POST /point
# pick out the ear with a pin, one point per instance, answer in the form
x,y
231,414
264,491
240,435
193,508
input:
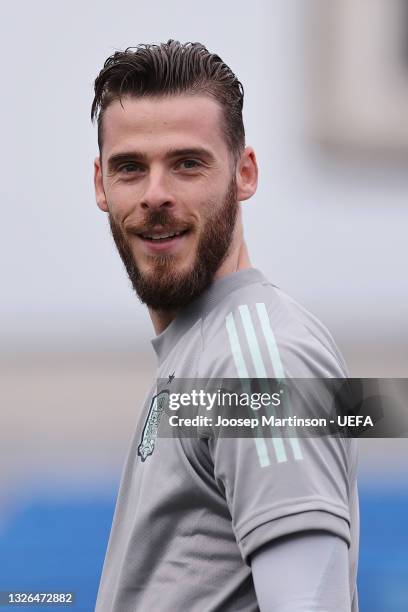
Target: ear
x,y
246,174
98,182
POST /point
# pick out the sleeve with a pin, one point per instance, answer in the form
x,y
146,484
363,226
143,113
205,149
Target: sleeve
x,y
303,572
275,487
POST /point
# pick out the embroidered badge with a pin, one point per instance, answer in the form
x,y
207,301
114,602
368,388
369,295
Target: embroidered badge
x,y
150,429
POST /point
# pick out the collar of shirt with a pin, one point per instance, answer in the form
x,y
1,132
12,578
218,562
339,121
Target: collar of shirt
x,y
209,299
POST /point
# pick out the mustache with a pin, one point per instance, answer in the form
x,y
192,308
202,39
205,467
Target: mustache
x,y
157,218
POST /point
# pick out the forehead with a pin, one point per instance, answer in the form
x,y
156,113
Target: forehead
x,y
154,123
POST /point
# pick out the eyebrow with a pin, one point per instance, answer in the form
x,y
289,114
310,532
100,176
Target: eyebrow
x,y
118,158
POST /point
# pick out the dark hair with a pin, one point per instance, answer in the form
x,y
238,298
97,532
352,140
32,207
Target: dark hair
x,y
172,68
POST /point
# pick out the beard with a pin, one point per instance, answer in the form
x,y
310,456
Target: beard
x,y
164,288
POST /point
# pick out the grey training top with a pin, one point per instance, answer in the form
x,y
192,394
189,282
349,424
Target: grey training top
x,y
191,511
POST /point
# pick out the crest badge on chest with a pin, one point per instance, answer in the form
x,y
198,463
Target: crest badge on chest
x,y
151,427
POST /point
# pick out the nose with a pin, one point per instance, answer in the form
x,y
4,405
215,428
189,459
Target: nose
x,y
157,193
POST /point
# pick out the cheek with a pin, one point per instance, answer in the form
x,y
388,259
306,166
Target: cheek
x,y
208,206
204,198
122,200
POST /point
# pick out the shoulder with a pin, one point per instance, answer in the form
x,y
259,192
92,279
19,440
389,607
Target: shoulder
x,y
259,331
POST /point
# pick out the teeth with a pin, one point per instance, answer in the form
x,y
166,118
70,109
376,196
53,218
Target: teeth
x,y
161,236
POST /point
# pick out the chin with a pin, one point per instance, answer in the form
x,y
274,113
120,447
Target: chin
x,y
167,264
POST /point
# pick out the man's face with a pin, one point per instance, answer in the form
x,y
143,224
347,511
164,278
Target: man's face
x,y
168,184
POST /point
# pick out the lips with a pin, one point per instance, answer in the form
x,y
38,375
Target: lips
x,y
160,240
161,236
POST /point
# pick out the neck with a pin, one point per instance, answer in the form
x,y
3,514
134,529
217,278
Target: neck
x,y
238,259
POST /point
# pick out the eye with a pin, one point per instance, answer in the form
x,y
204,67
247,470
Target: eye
x,y
129,168
189,164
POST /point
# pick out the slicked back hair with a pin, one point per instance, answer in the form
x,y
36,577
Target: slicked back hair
x,y
169,69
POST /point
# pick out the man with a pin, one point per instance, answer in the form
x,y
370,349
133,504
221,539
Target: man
x,y
210,523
